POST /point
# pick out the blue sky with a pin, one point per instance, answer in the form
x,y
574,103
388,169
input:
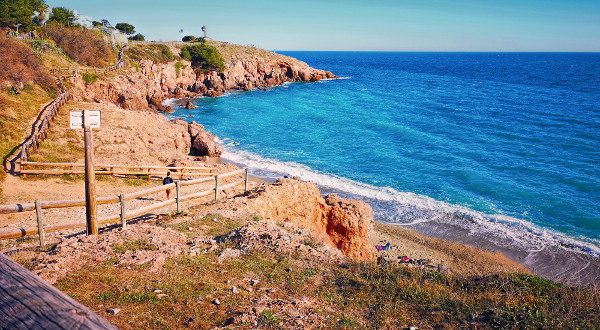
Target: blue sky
x,y
419,25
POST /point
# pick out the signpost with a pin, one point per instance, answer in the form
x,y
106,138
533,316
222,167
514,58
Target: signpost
x,y
88,119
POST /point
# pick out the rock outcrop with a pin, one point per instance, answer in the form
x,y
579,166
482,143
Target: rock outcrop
x,y
146,84
341,222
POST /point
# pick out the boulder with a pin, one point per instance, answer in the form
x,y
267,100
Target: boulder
x,y
190,105
348,225
204,143
339,222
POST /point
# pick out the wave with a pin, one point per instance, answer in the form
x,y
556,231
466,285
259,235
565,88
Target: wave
x,y
419,211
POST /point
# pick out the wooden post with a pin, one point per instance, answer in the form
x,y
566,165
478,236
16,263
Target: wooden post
x,y
177,196
122,203
38,214
246,180
216,187
90,180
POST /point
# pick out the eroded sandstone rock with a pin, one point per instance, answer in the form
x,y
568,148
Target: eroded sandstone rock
x,y
340,222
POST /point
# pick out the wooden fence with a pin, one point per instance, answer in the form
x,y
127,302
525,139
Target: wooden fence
x,y
116,170
28,302
39,132
121,199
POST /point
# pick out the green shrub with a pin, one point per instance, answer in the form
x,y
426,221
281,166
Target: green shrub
x,y
137,37
267,317
63,16
178,67
20,12
89,77
126,28
204,57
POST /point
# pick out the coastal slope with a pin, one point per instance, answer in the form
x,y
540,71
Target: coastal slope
x,y
147,78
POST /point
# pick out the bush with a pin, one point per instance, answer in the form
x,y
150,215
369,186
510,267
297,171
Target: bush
x,y
137,37
203,57
157,53
192,39
20,65
89,77
84,46
63,16
20,12
126,28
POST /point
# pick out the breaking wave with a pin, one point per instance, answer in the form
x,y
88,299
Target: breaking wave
x,y
419,211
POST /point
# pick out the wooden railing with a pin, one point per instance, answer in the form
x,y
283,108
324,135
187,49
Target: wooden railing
x,y
116,170
122,199
39,132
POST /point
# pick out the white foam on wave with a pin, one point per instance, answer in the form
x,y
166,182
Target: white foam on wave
x,y
421,209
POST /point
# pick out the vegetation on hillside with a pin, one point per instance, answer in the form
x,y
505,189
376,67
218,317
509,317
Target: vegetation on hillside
x,y
126,28
203,56
157,53
347,295
63,16
20,65
13,12
192,39
84,46
137,37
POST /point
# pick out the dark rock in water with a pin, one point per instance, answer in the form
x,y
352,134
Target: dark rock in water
x,y
190,105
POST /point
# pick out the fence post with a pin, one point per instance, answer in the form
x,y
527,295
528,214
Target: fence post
x,y
216,187
38,214
245,180
177,196
122,203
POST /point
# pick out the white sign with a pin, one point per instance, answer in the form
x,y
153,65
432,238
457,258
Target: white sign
x,y
92,119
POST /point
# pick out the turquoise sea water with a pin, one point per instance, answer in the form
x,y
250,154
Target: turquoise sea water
x,y
515,136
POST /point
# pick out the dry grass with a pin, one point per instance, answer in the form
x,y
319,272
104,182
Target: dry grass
x,y
349,295
84,46
16,115
20,65
156,53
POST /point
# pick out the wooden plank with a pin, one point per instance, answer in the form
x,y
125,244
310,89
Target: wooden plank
x,y
231,185
145,167
90,179
196,181
232,173
28,302
149,191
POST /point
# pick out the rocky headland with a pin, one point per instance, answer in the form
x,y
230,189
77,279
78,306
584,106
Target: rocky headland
x,y
146,83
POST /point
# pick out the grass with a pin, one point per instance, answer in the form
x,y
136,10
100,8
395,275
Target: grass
x,y
133,246
16,114
178,67
89,77
355,295
156,53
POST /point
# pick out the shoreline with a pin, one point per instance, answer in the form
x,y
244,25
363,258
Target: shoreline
x,y
550,254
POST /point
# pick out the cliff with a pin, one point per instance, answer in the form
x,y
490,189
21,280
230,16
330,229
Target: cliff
x,y
144,83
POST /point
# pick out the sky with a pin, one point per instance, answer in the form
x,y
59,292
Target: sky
x,y
388,25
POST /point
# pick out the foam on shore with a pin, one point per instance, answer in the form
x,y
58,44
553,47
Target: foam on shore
x,y
519,239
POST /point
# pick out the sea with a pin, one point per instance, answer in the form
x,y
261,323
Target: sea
x,y
497,150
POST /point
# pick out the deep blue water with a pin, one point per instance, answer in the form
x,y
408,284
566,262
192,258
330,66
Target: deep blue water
x,y
516,134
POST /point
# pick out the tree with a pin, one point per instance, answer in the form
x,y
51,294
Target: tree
x,y
63,16
203,57
97,24
137,37
188,39
13,12
126,28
